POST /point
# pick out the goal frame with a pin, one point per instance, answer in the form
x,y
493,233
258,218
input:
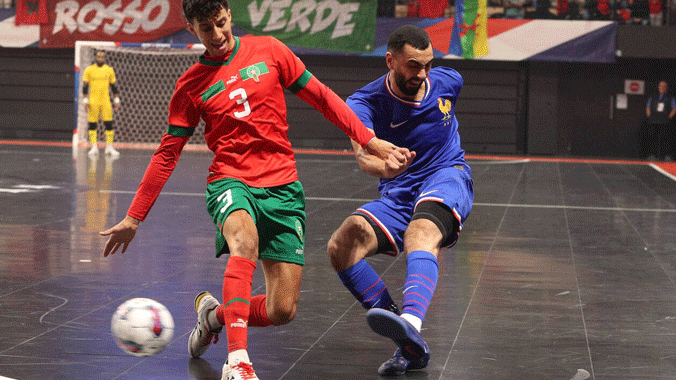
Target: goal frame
x,y
80,138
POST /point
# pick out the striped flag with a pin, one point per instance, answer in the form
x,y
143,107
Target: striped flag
x,y
469,37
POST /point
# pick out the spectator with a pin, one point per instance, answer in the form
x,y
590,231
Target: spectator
x,y
602,11
562,8
657,135
574,11
433,8
622,11
542,10
514,9
639,12
655,7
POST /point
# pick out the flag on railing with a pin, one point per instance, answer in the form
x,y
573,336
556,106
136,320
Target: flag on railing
x,y
469,37
31,12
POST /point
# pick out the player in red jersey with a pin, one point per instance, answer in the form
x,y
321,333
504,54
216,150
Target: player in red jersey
x,y
253,192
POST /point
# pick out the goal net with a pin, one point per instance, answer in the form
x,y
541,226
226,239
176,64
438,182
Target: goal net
x,y
146,77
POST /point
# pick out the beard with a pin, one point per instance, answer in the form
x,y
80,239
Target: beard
x,y
401,82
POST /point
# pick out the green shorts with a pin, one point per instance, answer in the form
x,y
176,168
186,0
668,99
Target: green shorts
x,y
278,212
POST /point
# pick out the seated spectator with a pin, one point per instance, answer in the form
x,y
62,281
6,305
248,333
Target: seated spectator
x,y
562,8
639,12
433,8
514,9
656,15
622,12
541,10
602,11
574,11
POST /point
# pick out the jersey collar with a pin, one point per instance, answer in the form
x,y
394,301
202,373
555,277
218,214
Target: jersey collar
x,y
223,60
404,100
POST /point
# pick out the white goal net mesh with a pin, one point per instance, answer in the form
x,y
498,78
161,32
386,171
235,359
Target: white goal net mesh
x,y
146,77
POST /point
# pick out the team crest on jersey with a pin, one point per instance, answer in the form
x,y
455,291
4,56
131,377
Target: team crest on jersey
x,y
299,230
254,71
445,106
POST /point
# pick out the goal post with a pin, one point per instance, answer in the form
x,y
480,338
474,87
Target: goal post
x,y
146,75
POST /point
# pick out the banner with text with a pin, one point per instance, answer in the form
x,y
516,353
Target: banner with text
x,y
340,25
109,20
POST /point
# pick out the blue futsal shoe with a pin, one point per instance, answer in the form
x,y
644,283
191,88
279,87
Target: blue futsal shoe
x,y
397,365
388,324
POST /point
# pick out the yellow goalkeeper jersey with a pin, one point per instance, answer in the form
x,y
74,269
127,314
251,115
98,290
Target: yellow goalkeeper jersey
x,y
99,79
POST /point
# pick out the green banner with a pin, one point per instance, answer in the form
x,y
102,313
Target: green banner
x,y
342,25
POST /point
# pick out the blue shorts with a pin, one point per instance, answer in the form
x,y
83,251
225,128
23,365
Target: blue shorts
x,y
392,213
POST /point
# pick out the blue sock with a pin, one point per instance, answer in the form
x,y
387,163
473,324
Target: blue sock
x,y
422,272
367,287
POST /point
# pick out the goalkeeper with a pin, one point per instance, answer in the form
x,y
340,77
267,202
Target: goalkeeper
x,y
99,80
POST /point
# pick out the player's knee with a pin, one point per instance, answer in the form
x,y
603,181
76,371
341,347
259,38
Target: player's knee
x,y
282,314
347,243
243,245
422,234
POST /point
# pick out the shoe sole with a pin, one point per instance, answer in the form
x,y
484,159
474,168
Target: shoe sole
x,y
392,326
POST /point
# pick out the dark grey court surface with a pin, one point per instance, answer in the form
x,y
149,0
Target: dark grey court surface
x,y
561,266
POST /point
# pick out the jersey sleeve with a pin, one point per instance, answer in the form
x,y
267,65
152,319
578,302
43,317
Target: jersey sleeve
x,y
86,76
362,108
112,78
291,68
182,109
159,169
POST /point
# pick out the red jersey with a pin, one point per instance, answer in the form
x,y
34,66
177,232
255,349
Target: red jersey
x,y
655,6
240,97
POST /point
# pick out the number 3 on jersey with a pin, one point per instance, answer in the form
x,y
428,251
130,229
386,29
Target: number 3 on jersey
x,y
242,100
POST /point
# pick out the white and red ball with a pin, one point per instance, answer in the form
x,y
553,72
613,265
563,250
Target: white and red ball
x,y
142,327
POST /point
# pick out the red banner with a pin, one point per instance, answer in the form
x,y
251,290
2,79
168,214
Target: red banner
x,y
31,12
109,20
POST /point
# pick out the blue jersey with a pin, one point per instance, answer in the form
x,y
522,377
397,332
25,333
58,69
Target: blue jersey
x,y
428,127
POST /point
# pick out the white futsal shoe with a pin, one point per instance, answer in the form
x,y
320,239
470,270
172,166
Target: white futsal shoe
x,y
93,151
239,371
112,152
200,337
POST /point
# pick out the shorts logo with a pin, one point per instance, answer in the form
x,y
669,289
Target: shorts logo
x,y
299,230
254,71
427,193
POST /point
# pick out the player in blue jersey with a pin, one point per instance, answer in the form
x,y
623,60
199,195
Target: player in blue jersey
x,y
423,203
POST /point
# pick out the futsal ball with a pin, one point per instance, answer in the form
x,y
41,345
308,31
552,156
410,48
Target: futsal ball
x,y
142,327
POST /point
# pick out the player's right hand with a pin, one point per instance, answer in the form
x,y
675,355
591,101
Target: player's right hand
x,y
397,162
120,235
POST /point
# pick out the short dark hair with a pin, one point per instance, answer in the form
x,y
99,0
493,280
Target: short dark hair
x,y
201,10
408,34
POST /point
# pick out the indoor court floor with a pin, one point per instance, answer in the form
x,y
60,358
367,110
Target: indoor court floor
x,y
562,265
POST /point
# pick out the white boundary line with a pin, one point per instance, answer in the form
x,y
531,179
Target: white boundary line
x,y
365,200
666,173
